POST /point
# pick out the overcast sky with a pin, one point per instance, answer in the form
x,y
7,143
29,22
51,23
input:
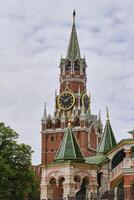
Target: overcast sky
x,y
33,36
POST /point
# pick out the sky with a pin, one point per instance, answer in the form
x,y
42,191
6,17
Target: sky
x,y
33,36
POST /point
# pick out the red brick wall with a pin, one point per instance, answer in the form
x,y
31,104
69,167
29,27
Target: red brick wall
x,y
93,139
49,148
128,179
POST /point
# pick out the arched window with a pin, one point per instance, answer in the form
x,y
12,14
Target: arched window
x,y
61,180
68,66
77,180
76,121
77,65
60,188
52,181
132,149
49,124
58,123
99,178
118,158
81,194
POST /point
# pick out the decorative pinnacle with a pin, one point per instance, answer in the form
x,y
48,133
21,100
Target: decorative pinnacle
x,y
107,113
99,115
69,118
69,122
45,111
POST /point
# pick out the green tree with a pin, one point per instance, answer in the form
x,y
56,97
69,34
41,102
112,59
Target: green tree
x,y
17,180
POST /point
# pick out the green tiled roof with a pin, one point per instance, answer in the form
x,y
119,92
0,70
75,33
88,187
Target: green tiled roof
x,y
69,148
121,143
131,132
73,51
108,140
98,159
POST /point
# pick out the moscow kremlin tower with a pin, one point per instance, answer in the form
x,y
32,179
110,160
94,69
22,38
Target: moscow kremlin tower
x,y
73,101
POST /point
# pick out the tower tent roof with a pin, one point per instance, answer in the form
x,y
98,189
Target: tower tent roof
x,y
69,148
73,51
108,140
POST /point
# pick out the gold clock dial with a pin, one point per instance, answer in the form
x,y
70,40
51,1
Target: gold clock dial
x,y
66,100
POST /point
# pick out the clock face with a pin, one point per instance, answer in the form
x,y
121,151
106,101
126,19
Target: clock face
x,y
86,101
66,100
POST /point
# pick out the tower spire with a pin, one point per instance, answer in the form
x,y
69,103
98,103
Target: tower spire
x,y
73,51
74,14
107,111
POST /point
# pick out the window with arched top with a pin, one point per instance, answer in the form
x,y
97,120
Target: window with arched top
x,y
77,180
81,194
49,124
77,66
57,123
61,180
52,181
77,121
100,178
118,158
85,180
132,149
68,66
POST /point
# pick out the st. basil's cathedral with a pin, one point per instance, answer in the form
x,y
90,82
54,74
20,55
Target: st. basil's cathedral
x,y
80,159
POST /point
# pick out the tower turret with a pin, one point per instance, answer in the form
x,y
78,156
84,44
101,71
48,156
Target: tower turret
x,y
108,140
72,98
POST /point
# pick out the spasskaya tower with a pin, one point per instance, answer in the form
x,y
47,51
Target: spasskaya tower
x,y
72,101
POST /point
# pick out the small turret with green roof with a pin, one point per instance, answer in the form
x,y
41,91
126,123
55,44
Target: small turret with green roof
x,y
69,149
132,133
108,140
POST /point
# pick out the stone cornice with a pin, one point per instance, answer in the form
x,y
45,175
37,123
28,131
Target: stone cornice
x,y
60,130
66,164
72,80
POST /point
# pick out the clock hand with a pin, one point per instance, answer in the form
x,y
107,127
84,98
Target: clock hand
x,y
62,98
68,99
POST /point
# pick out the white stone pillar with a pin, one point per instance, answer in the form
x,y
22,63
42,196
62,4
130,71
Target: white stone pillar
x,y
69,191
46,192
115,193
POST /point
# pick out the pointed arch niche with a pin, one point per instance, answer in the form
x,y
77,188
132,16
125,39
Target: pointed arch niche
x,y
77,66
67,66
76,121
58,123
49,123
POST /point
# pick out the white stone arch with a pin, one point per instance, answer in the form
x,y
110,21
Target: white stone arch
x,y
51,178
55,174
60,177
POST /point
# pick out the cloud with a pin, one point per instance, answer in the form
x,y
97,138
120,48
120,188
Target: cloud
x,y
34,34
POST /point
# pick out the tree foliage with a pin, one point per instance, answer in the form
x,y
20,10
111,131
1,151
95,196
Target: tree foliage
x,y
17,180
